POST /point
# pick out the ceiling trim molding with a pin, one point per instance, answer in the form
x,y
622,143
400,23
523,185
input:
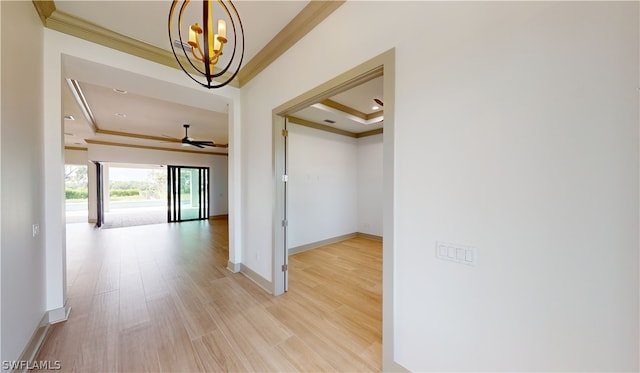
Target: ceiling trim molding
x,y
148,137
44,9
312,14
74,26
108,143
349,110
328,89
378,131
375,115
78,95
137,136
76,90
324,127
344,108
75,148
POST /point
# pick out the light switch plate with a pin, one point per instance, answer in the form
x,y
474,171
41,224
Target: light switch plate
x,y
457,253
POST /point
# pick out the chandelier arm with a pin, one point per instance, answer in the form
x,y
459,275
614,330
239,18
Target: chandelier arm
x,y
185,3
182,9
173,5
193,52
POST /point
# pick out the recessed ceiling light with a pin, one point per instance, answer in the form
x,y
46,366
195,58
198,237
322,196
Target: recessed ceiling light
x,y
69,117
375,107
68,134
330,121
121,91
121,115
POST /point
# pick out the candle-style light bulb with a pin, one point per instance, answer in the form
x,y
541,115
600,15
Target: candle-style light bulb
x,y
222,29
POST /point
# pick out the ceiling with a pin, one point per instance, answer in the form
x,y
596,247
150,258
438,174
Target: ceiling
x,y
116,107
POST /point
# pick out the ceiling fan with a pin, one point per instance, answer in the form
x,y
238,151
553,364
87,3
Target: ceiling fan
x,y
186,140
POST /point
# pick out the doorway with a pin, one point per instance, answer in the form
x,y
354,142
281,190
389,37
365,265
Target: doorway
x,y
381,65
188,193
76,191
378,67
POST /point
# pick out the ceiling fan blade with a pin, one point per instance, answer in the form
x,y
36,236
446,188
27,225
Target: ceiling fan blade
x,y
196,145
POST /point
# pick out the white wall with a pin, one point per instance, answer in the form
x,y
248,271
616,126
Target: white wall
x,y
515,131
335,185
217,164
370,180
76,157
22,180
322,188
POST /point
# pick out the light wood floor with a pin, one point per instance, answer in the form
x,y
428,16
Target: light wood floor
x,y
159,298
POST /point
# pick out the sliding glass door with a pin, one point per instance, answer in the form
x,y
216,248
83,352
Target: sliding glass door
x,y
188,193
99,194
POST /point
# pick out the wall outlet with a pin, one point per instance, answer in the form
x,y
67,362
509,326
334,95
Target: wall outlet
x,y
35,230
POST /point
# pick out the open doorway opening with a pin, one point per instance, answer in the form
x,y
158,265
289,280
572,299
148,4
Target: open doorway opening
x,y
76,191
188,193
382,65
134,195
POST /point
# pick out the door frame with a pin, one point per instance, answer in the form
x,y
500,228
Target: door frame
x,y
381,65
174,203
99,194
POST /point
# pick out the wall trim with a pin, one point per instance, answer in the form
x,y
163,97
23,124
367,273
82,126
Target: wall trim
x,y
329,241
369,236
234,267
108,143
305,21
337,131
57,315
75,148
42,332
317,244
36,341
256,278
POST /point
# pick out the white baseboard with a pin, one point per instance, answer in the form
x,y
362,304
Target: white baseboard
x,y
58,315
259,280
234,267
37,339
328,241
369,236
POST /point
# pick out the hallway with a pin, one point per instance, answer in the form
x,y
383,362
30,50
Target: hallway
x,y
159,298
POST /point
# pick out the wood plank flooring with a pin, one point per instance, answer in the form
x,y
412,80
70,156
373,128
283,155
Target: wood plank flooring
x,y
159,298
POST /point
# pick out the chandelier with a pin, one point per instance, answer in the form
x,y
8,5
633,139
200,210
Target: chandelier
x,y
203,61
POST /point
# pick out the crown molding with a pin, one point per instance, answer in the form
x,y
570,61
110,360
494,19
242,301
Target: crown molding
x,y
75,148
44,9
314,13
108,143
351,111
147,137
378,131
324,127
137,136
